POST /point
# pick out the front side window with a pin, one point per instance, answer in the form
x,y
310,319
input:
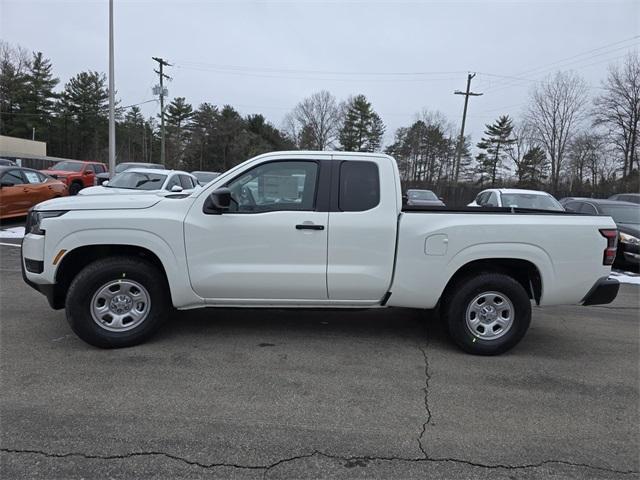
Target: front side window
x,y
173,182
275,186
186,182
482,198
33,177
359,186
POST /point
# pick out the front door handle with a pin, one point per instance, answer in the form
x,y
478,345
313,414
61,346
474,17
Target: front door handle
x,y
309,226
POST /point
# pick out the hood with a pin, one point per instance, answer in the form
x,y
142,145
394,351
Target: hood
x,y
438,203
100,190
100,202
629,228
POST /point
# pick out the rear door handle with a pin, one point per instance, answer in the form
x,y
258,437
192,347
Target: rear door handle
x,y
309,226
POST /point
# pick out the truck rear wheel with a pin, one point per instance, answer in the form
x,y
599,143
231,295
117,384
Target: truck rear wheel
x,y
117,302
487,314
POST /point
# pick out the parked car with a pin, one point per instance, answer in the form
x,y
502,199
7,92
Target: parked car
x,y
423,197
121,167
627,218
517,198
137,180
76,174
205,177
119,263
22,188
5,162
626,197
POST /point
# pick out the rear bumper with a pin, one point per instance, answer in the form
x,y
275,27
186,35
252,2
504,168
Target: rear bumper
x,y
604,291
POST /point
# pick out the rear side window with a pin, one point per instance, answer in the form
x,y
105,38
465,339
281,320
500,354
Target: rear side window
x,y
12,177
359,186
588,209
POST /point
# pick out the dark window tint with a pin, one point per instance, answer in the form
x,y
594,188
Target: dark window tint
x,y
99,168
482,198
359,186
12,177
573,206
186,182
589,209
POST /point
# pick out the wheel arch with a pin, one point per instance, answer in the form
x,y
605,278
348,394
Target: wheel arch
x,y
75,260
525,272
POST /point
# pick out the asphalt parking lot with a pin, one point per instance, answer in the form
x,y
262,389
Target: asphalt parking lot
x,y
317,394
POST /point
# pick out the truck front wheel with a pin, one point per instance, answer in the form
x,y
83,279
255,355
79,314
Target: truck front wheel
x,y
487,314
117,302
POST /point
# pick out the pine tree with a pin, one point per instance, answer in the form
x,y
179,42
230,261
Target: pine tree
x,y
84,112
178,116
533,168
14,64
40,96
495,143
363,128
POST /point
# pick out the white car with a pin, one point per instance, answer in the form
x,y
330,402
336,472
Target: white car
x,y
146,180
310,230
517,198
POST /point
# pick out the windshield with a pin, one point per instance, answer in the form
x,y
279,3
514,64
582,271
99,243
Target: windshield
x,y
422,195
529,200
68,166
125,166
622,213
205,177
137,181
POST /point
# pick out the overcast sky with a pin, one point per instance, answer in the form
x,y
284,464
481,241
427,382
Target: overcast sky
x,y
265,56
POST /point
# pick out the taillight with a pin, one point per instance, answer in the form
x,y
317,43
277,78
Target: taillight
x,y
611,234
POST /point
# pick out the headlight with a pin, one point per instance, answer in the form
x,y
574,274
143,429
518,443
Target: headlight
x,y
35,217
629,239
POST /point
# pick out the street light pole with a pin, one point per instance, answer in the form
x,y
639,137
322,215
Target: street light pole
x,y
112,115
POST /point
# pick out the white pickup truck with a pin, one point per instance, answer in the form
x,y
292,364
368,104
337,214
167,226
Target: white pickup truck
x,y
310,229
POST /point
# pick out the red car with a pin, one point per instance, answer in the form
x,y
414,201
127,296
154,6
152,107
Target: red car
x,y
76,174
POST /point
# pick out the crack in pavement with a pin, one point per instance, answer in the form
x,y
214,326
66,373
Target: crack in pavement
x,y
427,378
318,453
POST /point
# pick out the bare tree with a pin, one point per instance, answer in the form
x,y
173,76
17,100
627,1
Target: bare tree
x,y
557,107
618,109
315,122
586,158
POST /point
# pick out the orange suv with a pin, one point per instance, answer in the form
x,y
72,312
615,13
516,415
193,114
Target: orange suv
x,y
76,174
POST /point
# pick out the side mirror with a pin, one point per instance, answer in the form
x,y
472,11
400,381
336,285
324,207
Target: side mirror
x,y
176,188
489,205
6,184
441,199
218,201
105,183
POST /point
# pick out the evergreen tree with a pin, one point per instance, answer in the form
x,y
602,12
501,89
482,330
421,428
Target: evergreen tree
x,y
533,168
362,129
83,110
131,137
495,144
40,96
177,117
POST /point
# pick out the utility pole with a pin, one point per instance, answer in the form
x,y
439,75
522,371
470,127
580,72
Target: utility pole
x,y
112,115
160,90
466,94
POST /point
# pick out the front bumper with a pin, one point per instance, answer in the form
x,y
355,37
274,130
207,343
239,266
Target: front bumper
x,y
48,290
604,291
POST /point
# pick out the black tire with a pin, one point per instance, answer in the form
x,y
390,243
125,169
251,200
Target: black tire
x,y
90,281
459,298
74,188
